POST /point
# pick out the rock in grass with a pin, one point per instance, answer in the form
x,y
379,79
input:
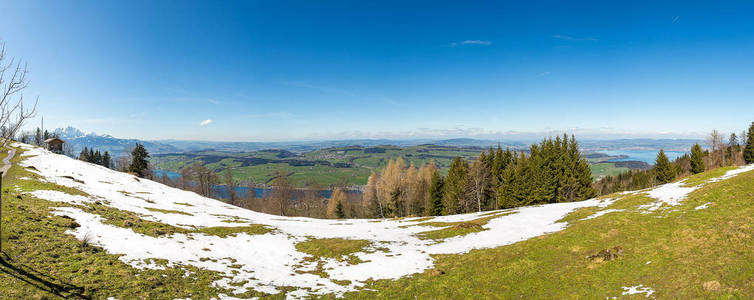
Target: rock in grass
x,y
607,254
713,286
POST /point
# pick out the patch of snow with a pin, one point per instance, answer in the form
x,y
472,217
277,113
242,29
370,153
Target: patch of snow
x,y
648,262
732,173
57,196
606,202
602,213
672,194
638,289
703,206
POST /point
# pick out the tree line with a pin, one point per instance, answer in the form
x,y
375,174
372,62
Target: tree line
x,y
96,157
550,172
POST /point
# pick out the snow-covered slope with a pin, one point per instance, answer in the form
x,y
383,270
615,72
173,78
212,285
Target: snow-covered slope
x,y
270,261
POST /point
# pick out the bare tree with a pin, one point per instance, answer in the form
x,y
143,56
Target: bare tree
x,y
12,82
122,163
204,178
715,140
477,184
231,184
281,194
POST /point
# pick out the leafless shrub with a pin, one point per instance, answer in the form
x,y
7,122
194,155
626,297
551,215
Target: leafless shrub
x,y
13,81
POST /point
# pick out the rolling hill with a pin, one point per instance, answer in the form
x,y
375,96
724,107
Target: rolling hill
x,y
74,229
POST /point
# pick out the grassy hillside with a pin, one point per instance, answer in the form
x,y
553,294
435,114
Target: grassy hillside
x,y
680,252
701,248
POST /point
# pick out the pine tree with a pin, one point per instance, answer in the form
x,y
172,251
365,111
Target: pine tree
x,y
38,139
584,173
339,210
97,159
733,140
84,155
664,172
107,161
436,189
454,186
139,163
508,181
498,164
749,148
697,159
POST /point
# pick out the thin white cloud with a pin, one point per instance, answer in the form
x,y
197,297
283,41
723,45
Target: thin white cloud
x,y
471,43
570,38
476,42
205,123
546,73
213,101
675,19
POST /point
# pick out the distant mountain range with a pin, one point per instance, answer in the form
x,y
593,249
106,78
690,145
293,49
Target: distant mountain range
x,y
78,139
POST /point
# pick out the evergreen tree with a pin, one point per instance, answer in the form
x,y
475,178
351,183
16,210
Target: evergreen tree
x,y
749,148
508,182
97,159
84,155
697,159
663,170
139,163
38,138
454,186
339,210
498,164
436,188
733,141
107,161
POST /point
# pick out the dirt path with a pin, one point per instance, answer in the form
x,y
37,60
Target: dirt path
x,y
6,161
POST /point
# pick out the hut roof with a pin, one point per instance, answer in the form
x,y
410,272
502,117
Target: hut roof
x,y
54,139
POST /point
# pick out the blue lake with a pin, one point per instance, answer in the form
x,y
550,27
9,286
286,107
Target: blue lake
x,y
647,156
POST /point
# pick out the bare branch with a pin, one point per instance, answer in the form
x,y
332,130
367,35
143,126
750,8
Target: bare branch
x,y
13,81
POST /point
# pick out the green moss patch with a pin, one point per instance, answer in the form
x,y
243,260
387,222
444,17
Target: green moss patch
x,y
457,228
167,211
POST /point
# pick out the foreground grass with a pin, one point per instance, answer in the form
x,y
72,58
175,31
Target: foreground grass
x,y
39,260
683,255
331,248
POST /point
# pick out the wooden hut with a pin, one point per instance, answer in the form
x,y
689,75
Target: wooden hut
x,y
55,145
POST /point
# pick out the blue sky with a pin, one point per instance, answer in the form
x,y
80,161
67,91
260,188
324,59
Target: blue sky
x,y
293,70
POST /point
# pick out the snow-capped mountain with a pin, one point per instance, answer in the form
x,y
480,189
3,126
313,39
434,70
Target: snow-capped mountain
x,y
78,139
